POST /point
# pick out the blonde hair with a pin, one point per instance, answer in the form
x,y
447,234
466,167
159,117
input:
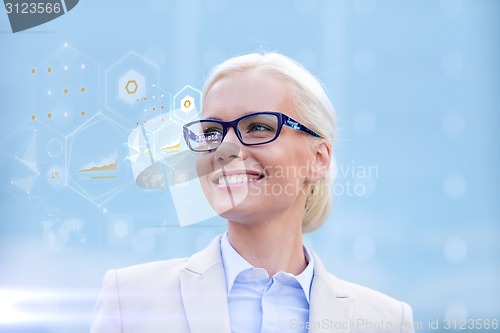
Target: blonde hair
x,y
311,103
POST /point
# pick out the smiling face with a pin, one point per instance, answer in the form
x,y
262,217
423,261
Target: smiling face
x,y
251,184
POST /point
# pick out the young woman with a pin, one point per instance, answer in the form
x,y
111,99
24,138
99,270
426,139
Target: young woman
x,y
264,147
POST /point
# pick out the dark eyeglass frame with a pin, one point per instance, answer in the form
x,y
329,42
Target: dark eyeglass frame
x,y
282,120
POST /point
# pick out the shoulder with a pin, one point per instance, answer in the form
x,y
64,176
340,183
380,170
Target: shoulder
x,y
170,270
366,304
165,273
363,294
148,275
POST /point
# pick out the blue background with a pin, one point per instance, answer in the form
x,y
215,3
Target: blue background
x,y
416,88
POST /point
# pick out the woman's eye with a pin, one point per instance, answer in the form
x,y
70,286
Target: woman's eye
x,y
256,127
212,131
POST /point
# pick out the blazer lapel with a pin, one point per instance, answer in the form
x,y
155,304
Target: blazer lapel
x,y
203,288
330,308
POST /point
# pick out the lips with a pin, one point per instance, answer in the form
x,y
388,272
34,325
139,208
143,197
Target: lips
x,y
236,177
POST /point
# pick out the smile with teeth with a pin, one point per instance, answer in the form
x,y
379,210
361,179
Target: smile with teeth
x,y
238,179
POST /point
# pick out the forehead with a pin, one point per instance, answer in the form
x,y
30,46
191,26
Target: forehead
x,y
243,92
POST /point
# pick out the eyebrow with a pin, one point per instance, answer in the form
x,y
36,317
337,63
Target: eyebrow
x,y
244,114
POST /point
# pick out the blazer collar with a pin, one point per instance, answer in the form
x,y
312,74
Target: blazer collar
x,y
204,295
203,287
331,307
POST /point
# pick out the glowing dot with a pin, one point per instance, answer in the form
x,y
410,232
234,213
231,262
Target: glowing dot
x,y
82,66
455,250
49,116
65,91
154,97
33,71
65,44
49,69
33,117
82,113
161,95
65,67
454,186
83,89
145,110
65,114
49,92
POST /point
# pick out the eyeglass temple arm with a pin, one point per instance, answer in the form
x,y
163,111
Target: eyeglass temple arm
x,y
298,126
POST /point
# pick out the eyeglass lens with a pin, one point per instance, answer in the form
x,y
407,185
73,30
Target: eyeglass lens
x,y
255,129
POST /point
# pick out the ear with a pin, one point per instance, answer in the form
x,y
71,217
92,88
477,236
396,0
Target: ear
x,y
322,156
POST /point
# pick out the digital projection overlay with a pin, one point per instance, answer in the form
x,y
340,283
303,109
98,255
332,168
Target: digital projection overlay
x,y
63,231
160,157
97,165
66,90
186,105
158,134
126,82
33,163
119,230
153,103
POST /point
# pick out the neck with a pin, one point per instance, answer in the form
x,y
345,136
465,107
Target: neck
x,y
275,245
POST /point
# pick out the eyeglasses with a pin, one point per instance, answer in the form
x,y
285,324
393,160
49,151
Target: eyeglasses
x,y
252,129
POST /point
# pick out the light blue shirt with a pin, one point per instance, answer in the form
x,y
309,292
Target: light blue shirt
x,y
260,304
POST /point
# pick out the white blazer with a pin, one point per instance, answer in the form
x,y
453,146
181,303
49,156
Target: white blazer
x,y
189,295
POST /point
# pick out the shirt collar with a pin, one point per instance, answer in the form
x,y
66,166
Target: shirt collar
x,y
234,264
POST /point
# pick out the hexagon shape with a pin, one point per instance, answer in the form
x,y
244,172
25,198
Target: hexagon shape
x,y
186,104
118,100
131,86
96,162
33,163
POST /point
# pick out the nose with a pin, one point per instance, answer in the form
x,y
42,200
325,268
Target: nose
x,y
228,150
226,153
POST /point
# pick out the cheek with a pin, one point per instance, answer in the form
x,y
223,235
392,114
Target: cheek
x,y
289,166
